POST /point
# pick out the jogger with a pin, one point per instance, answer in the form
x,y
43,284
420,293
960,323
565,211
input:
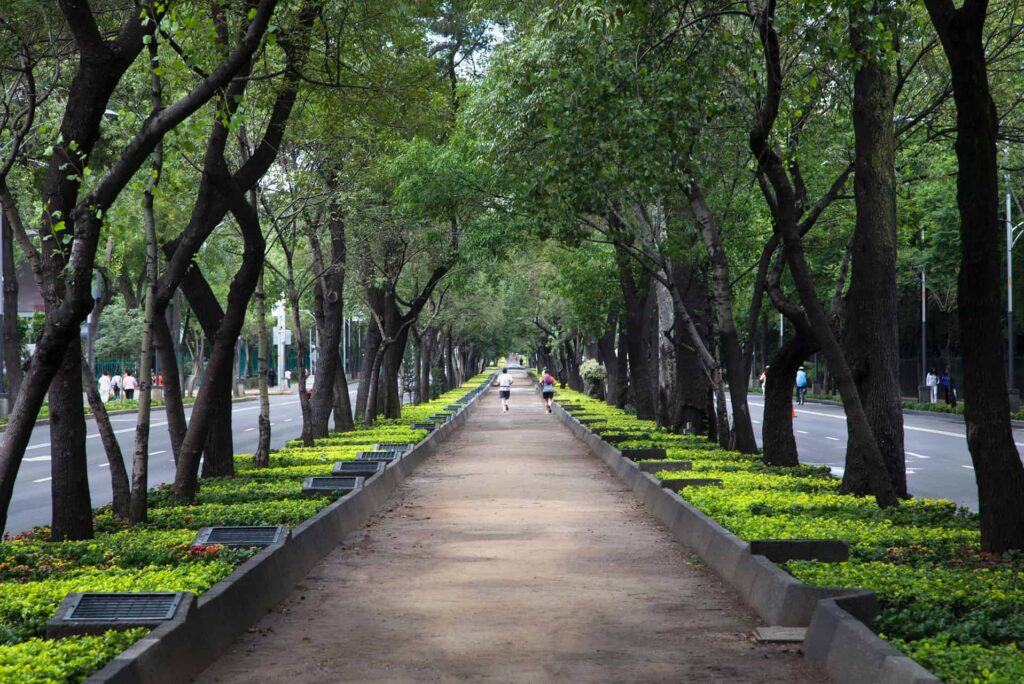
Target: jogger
x,y
504,387
547,385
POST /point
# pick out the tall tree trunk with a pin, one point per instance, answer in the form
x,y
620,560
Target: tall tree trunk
x,y
11,333
218,447
371,344
140,459
261,458
669,409
329,303
640,319
872,344
119,486
997,465
174,407
782,197
300,352
373,373
342,403
777,429
71,501
729,342
219,367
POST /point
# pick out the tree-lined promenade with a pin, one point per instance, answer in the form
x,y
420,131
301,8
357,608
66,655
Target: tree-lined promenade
x,y
658,202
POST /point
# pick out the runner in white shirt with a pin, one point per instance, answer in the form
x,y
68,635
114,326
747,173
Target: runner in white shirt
x,y
504,387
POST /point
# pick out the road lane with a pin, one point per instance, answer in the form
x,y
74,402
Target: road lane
x,y
30,504
937,459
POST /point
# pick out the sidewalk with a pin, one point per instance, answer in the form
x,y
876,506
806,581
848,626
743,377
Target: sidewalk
x,y
513,556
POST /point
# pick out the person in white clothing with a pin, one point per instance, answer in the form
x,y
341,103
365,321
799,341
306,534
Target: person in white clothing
x,y
931,381
105,387
129,383
504,387
288,378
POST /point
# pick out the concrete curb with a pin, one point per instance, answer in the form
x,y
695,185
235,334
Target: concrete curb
x,y
177,652
837,637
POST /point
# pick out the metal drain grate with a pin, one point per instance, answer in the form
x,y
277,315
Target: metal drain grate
x,y
241,536
383,456
400,447
329,485
443,417
96,607
453,407
358,468
423,426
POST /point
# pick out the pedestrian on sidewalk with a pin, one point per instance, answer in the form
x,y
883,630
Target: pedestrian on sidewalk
x,y
547,386
272,377
288,378
504,387
944,382
115,384
801,385
931,381
104,385
129,383
763,378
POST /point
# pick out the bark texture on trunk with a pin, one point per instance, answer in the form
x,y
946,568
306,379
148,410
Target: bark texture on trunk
x,y
261,457
69,491
11,334
872,344
997,465
218,447
780,381
371,343
174,409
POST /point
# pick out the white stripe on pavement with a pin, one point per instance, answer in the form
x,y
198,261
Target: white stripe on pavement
x,y
43,479
37,458
915,455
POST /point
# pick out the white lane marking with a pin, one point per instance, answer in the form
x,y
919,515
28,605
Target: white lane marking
x,y
915,455
911,471
37,458
968,467
157,453
755,422
834,439
104,465
45,445
249,429
803,432
43,479
961,435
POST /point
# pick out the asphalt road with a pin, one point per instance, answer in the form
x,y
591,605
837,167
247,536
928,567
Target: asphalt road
x,y
30,505
938,462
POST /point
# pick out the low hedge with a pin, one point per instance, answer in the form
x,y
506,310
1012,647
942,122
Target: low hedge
x,y
36,574
955,609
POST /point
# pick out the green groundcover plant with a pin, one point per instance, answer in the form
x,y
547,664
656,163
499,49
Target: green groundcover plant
x,y
953,608
36,574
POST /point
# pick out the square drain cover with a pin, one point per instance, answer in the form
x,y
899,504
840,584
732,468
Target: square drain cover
x,y
384,456
241,536
423,426
96,607
358,468
400,447
328,485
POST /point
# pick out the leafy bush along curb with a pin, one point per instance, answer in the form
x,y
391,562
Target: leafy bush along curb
x,y
36,574
934,585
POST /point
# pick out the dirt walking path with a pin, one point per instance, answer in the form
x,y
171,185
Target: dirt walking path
x,y
513,556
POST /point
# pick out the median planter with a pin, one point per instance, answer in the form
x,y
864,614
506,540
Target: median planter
x,y
174,654
835,618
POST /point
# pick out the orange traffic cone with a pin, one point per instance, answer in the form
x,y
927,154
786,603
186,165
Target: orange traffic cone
x,y
793,408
